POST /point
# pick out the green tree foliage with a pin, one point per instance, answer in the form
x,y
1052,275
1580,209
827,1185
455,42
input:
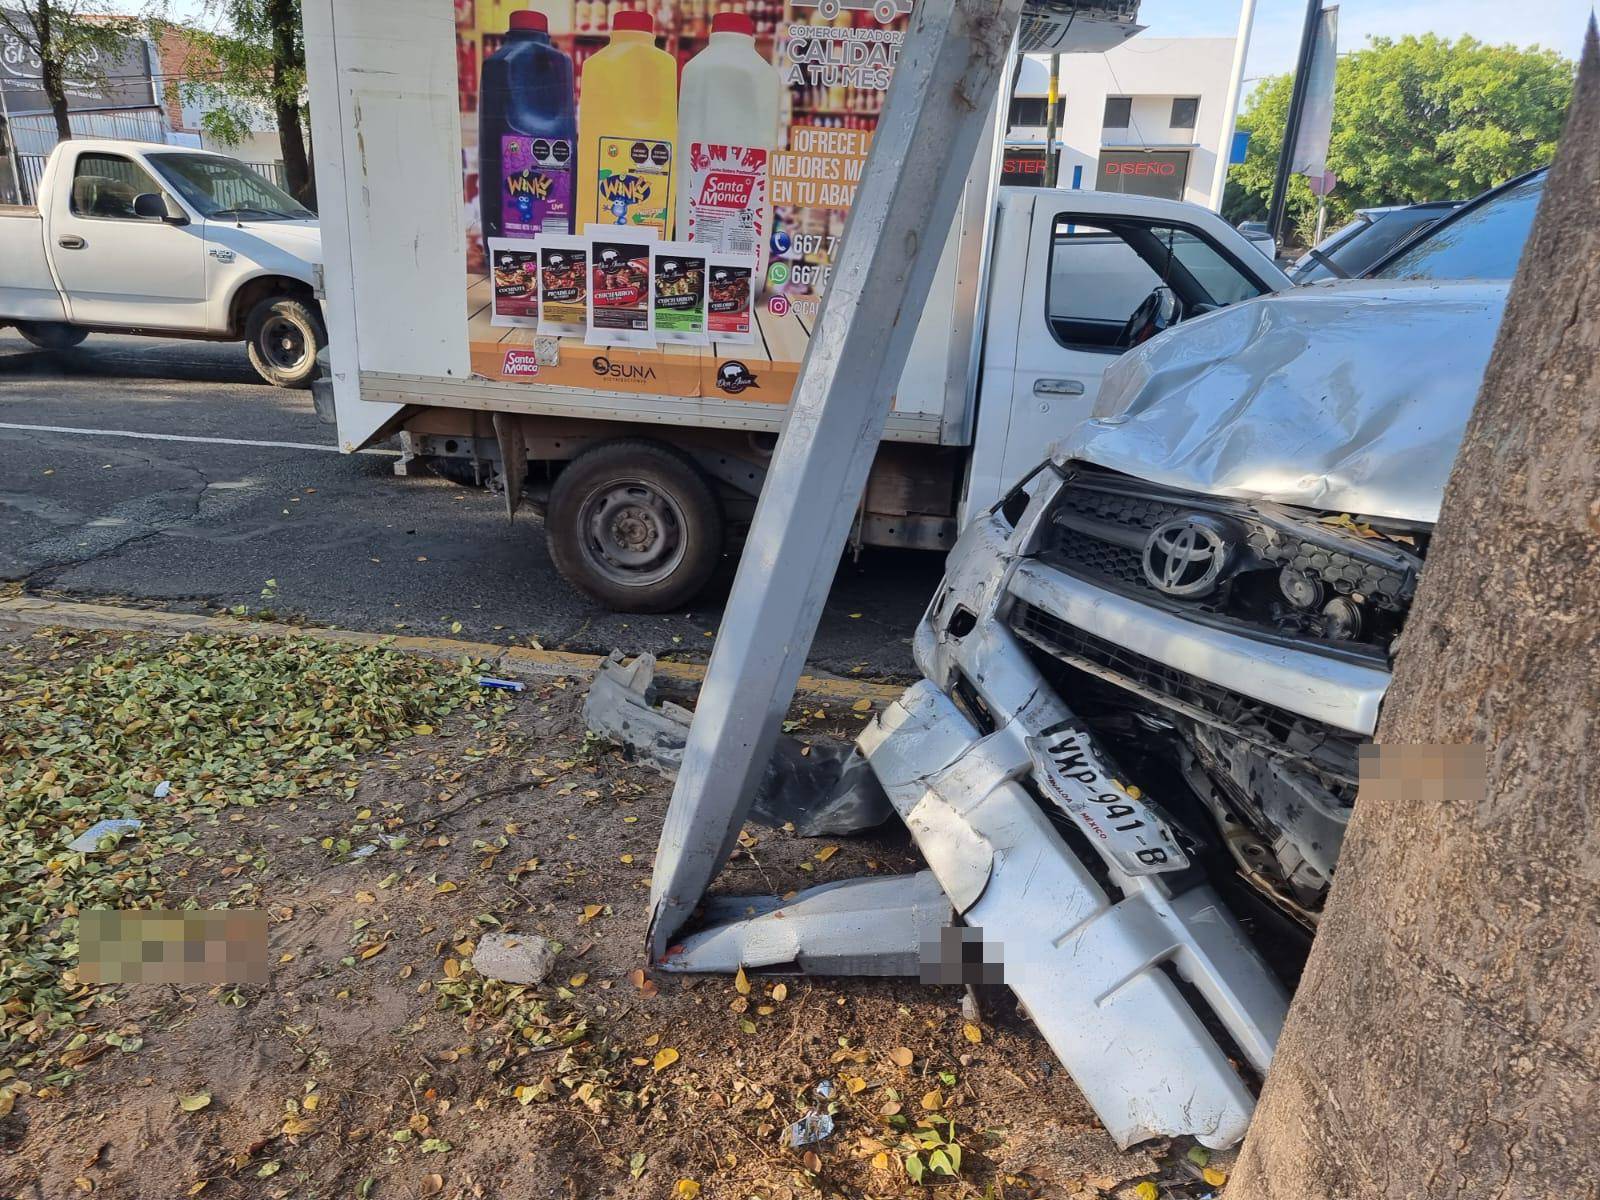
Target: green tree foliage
x,y
63,40
253,61
1414,118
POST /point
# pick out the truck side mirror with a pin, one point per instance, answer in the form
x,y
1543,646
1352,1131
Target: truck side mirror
x,y
154,206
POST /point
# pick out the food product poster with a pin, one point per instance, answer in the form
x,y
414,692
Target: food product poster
x,y
655,153
731,280
563,285
514,272
678,293
619,289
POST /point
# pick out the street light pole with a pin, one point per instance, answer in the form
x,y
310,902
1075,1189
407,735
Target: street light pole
x,y
1051,169
1291,127
1230,116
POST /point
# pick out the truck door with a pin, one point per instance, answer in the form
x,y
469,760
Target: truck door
x,y
1087,274
114,267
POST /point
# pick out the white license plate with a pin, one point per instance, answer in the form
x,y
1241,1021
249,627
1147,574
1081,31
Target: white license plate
x,y
1121,826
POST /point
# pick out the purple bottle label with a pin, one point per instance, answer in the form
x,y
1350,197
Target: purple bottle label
x,y
538,185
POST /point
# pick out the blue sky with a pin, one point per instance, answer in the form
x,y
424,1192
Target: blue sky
x,y
1557,24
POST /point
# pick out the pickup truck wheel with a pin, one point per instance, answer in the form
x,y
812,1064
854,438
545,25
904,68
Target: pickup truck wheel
x,y
51,335
635,526
283,336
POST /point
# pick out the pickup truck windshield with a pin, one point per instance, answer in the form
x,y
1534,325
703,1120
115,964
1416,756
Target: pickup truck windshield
x,y
222,188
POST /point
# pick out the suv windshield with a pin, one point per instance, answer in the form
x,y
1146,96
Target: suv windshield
x,y
1484,242
221,187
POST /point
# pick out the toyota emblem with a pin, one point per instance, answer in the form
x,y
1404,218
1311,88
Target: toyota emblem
x,y
1186,557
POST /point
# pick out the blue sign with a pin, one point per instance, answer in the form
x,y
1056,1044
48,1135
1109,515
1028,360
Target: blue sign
x,y
1241,144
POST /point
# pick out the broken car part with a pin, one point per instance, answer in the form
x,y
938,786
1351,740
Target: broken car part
x,y
821,789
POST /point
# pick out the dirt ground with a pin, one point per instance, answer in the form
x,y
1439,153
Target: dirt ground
x,y
376,1063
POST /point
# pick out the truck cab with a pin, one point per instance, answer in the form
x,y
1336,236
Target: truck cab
x,y
1078,279
163,240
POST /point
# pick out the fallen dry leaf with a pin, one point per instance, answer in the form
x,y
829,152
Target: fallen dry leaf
x,y
741,983
901,1056
972,1033
664,1058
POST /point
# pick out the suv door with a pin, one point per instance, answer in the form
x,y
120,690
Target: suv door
x,y
119,269
1086,276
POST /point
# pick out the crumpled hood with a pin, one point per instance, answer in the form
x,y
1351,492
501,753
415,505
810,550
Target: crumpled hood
x,y
1350,396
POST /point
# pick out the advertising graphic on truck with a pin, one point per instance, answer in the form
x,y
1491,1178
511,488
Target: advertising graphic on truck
x,y
741,135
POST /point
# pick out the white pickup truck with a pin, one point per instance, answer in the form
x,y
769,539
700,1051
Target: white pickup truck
x,y
130,237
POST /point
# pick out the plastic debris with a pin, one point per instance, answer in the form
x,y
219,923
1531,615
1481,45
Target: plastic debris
x,y
810,1129
162,789
89,840
825,1089
502,685
819,788
366,851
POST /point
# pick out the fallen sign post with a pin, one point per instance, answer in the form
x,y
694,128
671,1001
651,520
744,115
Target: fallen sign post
x,y
941,98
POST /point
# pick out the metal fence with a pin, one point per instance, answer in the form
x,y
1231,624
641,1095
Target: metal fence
x,y
32,166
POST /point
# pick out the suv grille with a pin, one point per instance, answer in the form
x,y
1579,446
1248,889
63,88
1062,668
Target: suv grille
x,y
1360,590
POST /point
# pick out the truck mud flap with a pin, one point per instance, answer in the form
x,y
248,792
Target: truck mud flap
x,y
1090,968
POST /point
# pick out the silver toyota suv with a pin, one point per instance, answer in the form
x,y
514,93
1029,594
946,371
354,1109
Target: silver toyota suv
x,y
1151,670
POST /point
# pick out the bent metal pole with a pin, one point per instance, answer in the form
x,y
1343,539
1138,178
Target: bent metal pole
x,y
939,102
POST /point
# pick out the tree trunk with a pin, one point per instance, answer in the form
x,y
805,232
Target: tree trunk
x,y
50,81
288,61
50,70
1445,1038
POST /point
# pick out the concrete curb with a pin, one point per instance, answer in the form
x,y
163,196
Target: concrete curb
x,y
511,661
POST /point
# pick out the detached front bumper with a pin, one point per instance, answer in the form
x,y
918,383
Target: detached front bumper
x,y
1097,973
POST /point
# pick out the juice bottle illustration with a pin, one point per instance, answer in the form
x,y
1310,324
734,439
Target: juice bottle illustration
x,y
527,137
728,127
628,129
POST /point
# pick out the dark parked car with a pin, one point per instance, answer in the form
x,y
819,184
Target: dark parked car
x,y
1351,249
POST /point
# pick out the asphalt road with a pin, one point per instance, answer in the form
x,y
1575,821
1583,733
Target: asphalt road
x,y
202,526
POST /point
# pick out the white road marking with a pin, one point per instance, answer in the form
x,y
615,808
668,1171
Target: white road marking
x,y
182,437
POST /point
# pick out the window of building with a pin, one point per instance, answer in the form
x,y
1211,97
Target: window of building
x,y
1032,112
1184,111
1119,112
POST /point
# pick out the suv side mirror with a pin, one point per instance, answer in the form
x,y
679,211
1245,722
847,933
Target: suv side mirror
x,y
154,206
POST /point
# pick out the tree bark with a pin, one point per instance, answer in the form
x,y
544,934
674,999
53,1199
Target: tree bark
x,y
288,61
50,70
1445,1038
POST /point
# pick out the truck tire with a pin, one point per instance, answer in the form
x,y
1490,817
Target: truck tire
x,y
51,335
634,525
283,335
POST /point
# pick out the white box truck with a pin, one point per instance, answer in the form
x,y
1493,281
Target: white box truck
x,y
648,457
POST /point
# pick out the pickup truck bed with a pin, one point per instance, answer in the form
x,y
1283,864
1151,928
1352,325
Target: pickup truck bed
x,y
27,289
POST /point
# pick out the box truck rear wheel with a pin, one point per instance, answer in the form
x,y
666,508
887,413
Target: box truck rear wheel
x,y
635,525
283,335
51,335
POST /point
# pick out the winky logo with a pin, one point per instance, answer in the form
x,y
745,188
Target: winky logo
x,y
530,184
628,188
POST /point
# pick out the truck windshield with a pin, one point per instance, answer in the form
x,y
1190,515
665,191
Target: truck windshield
x,y
223,188
1483,242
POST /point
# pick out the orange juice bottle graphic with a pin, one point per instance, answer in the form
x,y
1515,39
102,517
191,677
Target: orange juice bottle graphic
x,y
628,129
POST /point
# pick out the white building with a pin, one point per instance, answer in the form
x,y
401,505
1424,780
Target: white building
x,y
1150,116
